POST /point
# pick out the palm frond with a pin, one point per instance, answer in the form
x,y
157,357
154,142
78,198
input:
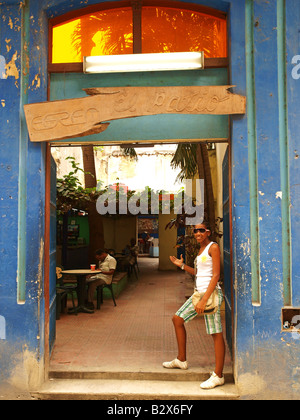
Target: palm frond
x,y
130,153
185,158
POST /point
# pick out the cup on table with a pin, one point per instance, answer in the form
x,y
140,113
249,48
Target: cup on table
x,y
93,267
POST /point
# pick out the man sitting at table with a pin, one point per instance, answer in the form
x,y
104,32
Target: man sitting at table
x,y
107,265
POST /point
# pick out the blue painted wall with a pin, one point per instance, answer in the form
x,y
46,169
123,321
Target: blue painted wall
x,y
265,250
293,89
261,347
21,232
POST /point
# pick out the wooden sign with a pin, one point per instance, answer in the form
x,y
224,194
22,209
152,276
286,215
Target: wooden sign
x,y
58,120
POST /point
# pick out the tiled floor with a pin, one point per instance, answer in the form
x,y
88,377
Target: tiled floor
x,y
137,333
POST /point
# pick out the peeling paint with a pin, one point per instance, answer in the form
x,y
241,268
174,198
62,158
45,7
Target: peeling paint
x,y
11,68
10,23
40,268
3,103
279,195
36,83
27,373
251,384
8,47
296,376
246,247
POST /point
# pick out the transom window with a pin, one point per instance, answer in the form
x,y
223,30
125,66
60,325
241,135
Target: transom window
x,y
138,29
166,29
107,32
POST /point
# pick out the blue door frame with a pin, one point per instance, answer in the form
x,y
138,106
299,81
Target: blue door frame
x,y
52,258
160,127
228,286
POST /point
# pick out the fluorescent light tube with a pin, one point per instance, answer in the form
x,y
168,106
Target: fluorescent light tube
x,y
143,62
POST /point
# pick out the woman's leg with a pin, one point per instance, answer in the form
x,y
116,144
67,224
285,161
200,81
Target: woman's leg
x,y
185,314
180,336
219,353
217,378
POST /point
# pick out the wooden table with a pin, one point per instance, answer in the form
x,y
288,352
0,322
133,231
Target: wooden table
x,y
81,277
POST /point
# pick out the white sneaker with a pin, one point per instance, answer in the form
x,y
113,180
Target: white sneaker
x,y
176,364
212,382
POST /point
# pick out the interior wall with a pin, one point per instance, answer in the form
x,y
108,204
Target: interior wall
x,y
118,230
167,242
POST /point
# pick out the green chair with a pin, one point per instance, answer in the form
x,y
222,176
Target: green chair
x,y
100,294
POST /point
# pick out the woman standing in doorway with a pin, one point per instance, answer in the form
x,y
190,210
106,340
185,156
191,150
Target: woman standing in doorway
x,y
207,272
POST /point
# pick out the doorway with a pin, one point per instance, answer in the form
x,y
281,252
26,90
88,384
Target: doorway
x,y
165,282
148,236
155,129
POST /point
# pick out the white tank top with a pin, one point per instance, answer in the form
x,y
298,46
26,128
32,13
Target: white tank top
x,y
204,269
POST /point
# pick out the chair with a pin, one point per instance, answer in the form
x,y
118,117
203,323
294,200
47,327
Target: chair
x,y
136,263
130,264
62,291
123,264
100,293
132,268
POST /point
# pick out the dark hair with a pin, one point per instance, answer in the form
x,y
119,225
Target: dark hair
x,y
206,224
100,251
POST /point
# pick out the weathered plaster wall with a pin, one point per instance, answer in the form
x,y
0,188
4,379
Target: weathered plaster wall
x,y
293,89
21,211
261,348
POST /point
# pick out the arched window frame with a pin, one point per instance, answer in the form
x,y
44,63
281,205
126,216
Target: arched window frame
x,y
136,6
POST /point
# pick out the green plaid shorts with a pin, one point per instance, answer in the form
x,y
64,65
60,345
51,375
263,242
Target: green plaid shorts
x,y
213,322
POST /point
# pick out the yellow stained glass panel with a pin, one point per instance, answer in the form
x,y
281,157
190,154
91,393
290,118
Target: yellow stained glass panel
x,y
107,32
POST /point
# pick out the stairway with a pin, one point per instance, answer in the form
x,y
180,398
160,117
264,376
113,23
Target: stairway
x,y
142,385
117,352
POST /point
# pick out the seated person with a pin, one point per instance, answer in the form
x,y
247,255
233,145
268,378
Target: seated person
x,y
107,265
126,250
134,251
131,251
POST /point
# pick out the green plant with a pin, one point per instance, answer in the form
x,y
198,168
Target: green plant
x,y
69,190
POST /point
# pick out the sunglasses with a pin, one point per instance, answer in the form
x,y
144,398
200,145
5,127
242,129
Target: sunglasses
x,y
201,230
